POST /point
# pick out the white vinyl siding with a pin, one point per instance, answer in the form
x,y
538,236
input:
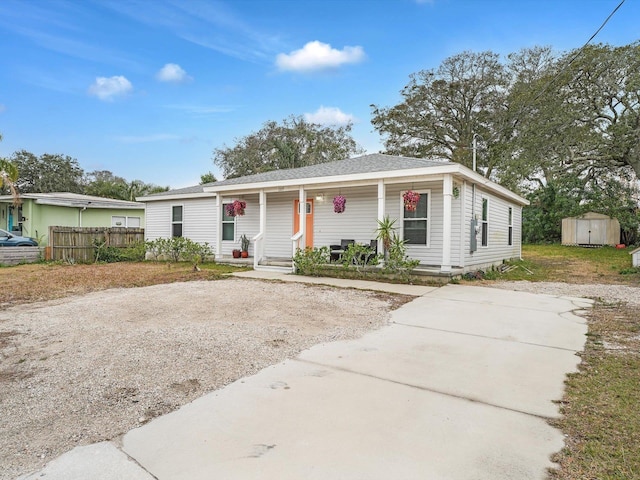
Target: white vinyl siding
x,y
279,229
430,254
357,222
198,220
498,247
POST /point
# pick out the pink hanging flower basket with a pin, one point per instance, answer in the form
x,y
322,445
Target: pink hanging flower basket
x,y
411,200
229,210
339,204
236,208
239,206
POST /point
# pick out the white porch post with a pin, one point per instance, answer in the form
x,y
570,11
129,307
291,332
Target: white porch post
x,y
258,244
447,192
302,205
219,226
381,207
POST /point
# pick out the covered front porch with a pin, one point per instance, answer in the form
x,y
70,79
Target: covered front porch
x,y
277,226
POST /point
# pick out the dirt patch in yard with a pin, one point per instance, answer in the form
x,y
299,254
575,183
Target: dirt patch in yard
x,y
38,282
90,367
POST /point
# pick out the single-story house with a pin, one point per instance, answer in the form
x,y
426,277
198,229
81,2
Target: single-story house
x,y
462,221
39,211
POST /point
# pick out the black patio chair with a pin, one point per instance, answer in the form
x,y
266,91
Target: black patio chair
x,y
338,250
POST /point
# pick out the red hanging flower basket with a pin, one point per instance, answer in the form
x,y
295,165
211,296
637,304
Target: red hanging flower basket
x,y
411,200
339,204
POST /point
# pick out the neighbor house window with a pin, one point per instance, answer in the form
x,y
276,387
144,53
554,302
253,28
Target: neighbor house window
x,y
415,225
485,222
228,225
510,237
122,221
176,221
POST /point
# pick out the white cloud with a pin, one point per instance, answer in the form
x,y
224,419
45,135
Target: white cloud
x,y
329,116
318,56
173,73
108,88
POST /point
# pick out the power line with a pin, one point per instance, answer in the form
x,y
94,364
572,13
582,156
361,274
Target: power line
x,y
561,71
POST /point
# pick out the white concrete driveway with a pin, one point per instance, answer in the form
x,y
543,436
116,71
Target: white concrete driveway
x,y
460,386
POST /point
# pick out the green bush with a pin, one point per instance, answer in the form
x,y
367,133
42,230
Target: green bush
x,y
398,263
359,256
310,260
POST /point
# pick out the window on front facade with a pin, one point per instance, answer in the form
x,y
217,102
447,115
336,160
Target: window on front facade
x,y
228,225
485,222
510,237
176,221
415,224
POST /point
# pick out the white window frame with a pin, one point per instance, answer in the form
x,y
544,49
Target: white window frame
x,y
428,219
181,222
222,223
484,223
113,223
126,221
510,226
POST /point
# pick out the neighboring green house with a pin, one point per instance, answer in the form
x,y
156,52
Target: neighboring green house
x,y
39,211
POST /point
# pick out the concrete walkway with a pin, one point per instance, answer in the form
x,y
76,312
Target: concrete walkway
x,y
459,386
413,290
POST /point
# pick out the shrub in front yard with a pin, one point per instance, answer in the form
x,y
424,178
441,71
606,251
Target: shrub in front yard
x,y
310,260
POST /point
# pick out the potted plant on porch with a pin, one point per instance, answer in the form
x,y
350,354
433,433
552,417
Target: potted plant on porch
x,y
244,246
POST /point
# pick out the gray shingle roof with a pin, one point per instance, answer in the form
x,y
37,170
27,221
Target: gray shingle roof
x,y
375,162
67,199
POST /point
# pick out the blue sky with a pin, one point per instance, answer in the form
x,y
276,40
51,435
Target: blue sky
x,y
147,89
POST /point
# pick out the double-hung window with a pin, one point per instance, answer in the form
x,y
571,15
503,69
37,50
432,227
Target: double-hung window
x,y
415,226
176,221
485,222
228,225
510,237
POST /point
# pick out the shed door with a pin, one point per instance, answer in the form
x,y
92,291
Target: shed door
x,y
591,232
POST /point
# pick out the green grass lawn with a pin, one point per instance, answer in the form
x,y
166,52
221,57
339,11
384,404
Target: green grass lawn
x,y
557,263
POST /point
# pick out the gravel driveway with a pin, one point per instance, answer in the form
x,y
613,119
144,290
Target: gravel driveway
x,y
89,368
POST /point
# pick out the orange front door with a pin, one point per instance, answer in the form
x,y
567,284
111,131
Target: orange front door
x,y
308,231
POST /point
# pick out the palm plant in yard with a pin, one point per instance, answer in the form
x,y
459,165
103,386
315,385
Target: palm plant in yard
x,y
385,232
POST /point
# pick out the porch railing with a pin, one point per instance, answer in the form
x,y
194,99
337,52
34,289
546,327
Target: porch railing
x,y
258,249
295,244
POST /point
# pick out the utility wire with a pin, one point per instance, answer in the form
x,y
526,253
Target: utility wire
x,y
577,54
560,72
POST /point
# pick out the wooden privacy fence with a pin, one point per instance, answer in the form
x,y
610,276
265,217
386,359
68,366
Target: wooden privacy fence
x,y
78,244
